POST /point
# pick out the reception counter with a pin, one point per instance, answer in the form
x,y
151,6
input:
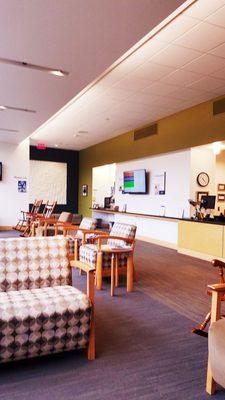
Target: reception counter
x,y
201,239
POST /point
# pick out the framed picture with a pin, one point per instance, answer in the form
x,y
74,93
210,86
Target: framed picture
x,y
200,194
84,190
221,197
159,182
221,187
22,186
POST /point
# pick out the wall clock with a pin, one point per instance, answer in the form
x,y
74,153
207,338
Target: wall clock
x,y
203,179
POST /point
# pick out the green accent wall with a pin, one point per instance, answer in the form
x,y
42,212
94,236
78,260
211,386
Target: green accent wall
x,y
192,127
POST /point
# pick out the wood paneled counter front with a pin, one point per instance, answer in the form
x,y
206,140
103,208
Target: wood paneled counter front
x,y
202,239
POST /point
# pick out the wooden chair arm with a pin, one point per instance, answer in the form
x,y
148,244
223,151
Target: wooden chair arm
x,y
79,264
217,287
218,263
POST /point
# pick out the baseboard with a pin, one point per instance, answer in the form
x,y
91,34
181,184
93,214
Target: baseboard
x,y
196,254
157,242
6,228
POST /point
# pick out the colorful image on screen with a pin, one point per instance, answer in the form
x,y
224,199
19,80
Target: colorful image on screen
x,y
128,180
135,181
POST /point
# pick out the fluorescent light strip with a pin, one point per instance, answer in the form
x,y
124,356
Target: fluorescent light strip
x,y
3,108
53,71
8,130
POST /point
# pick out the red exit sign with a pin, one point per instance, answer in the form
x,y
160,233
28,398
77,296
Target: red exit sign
x,y
41,146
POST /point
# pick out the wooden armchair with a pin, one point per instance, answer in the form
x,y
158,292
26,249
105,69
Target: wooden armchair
x,y
216,341
75,234
52,226
24,222
40,219
200,329
112,256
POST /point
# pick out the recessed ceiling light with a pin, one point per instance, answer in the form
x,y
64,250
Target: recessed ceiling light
x,y
17,109
53,71
8,130
57,72
56,145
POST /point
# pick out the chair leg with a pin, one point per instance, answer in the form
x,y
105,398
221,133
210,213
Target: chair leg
x,y
117,271
99,271
200,330
210,383
90,293
113,258
130,273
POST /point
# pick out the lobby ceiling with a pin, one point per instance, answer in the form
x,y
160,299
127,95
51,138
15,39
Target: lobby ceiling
x,y
82,37
176,66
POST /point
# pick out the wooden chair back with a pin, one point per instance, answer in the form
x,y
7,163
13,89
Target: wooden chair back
x,y
48,209
36,206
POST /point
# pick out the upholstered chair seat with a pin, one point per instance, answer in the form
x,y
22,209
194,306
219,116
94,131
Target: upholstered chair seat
x,y
40,312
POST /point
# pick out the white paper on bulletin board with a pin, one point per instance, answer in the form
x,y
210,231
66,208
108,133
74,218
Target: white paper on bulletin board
x,y
48,181
159,182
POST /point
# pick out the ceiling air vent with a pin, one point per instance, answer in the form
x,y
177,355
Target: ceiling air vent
x,y
219,106
145,132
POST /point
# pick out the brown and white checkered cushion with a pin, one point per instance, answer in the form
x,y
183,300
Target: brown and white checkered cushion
x,y
29,263
48,317
41,321
88,252
86,223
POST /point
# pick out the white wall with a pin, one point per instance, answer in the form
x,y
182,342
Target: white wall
x,y
177,168
103,178
15,160
220,177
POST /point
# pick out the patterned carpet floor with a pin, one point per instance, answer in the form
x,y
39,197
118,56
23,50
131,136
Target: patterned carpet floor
x,y
144,351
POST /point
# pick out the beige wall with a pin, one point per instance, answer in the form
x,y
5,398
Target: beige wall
x,y
192,127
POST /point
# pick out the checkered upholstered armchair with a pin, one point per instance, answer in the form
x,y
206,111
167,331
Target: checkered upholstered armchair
x,y
75,234
121,236
40,312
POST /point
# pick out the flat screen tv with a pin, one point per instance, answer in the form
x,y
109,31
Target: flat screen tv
x,y
134,182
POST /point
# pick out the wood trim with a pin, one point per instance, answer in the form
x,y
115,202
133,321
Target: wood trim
x,y
202,256
6,228
158,242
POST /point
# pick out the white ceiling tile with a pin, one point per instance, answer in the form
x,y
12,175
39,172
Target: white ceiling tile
x,y
188,94
175,56
160,88
176,28
206,64
219,91
181,77
208,84
116,94
144,98
202,37
218,51
152,71
203,8
131,82
219,74
217,18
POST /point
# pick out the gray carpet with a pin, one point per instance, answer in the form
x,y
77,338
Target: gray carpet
x,y
144,351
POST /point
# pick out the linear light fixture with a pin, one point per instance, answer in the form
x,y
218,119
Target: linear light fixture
x,y
53,71
8,130
3,108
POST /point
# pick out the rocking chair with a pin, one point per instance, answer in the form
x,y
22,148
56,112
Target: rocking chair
x,y
38,218
200,329
23,222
